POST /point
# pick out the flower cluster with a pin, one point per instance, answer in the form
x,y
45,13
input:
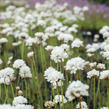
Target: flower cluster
x,y
59,53
24,70
7,76
54,77
76,89
75,64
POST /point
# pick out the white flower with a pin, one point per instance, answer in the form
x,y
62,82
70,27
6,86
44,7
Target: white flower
x,y
91,48
77,43
101,66
85,8
106,34
49,48
90,54
54,77
58,54
18,63
6,75
30,54
65,47
75,64
18,106
65,37
5,106
48,104
23,35
89,33
76,89
104,74
104,29
93,64
30,41
96,36
77,10
19,100
22,106
83,105
106,54
41,38
16,43
25,72
93,73
59,99
3,40
41,23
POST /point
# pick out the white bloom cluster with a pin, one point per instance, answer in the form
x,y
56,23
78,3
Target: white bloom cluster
x,y
76,89
105,54
96,37
104,31
93,73
75,64
18,103
73,29
22,107
65,37
54,77
25,21
91,48
6,106
18,63
59,99
30,54
105,44
3,40
104,74
59,53
24,70
19,100
77,43
30,41
83,105
105,49
79,12
93,64
100,66
15,44
6,75
49,48
41,38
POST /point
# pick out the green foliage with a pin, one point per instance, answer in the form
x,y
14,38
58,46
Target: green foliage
x,y
101,1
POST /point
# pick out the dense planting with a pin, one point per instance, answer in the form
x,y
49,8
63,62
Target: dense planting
x,y
49,60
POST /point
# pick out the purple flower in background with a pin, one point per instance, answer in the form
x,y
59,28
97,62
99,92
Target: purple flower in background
x,y
101,9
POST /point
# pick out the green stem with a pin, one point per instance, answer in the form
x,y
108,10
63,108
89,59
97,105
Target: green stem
x,y
22,49
108,97
12,90
26,88
94,101
6,91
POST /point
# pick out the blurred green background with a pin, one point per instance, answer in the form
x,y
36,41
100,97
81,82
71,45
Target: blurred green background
x,y
101,1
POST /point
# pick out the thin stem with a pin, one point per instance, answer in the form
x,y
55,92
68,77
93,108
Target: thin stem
x,y
12,90
94,101
22,49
